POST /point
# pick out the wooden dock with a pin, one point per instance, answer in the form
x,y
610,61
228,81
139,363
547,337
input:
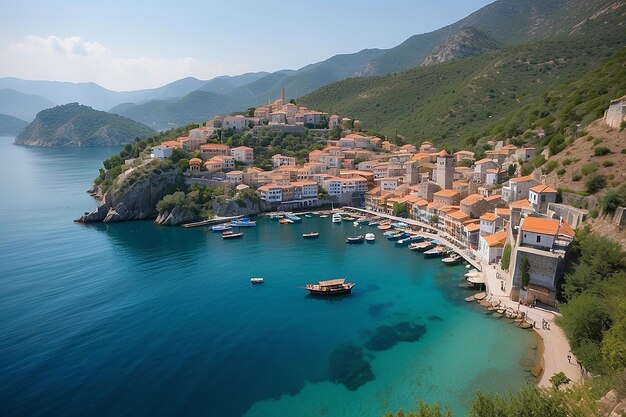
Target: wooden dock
x,y
209,222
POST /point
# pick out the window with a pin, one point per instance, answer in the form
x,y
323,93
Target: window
x,y
538,239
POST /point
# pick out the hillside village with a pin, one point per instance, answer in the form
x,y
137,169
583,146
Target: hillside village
x,y
484,206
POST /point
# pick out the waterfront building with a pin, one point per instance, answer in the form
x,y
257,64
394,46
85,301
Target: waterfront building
x,y
490,247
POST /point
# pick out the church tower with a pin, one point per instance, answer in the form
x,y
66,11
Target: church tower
x,y
445,170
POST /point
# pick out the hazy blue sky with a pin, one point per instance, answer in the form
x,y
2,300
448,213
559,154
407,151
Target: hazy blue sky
x,y
140,44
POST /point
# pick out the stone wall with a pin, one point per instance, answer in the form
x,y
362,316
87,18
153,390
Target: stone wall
x,y
614,115
545,271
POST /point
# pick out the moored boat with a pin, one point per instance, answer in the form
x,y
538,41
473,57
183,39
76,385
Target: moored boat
x,y
336,218
384,227
323,216
231,235
435,252
370,237
221,227
348,219
285,221
453,259
276,217
356,224
399,225
257,280
373,224
308,215
293,217
330,287
422,246
310,235
356,239
409,239
243,222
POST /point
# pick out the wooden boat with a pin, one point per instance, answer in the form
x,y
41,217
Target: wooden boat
x,y
399,235
330,287
435,252
257,280
384,227
285,221
370,237
422,246
310,235
348,219
221,228
231,235
243,222
454,259
356,239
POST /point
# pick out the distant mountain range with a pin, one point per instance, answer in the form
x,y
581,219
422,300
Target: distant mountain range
x,y
503,23
10,126
77,125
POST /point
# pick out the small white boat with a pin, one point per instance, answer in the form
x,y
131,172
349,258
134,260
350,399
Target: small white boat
x,y
323,216
336,218
221,227
370,237
257,280
356,224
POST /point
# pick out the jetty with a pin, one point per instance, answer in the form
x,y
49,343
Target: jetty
x,y
210,222
428,231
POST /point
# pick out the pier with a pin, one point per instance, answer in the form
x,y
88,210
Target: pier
x,y
209,222
430,232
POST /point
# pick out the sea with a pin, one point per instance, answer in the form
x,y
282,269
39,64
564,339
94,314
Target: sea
x,y
135,319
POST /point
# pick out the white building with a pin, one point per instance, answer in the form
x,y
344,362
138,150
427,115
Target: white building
x,y
162,152
490,247
279,160
236,123
518,188
243,154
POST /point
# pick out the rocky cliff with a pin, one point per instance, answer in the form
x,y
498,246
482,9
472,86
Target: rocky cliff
x,y
76,125
467,42
135,202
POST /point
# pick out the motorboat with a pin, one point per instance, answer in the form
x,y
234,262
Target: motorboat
x,y
231,235
311,235
285,221
330,287
356,239
356,223
293,217
276,217
384,227
421,246
257,280
243,222
453,259
399,225
435,252
323,216
336,218
308,216
409,239
370,237
221,227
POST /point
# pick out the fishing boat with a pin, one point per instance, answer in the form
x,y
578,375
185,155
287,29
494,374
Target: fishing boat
x,y
257,280
285,221
435,252
370,237
390,232
231,235
221,227
330,287
276,217
409,239
356,239
308,215
336,218
398,235
243,222
373,224
453,259
293,217
384,227
310,235
422,246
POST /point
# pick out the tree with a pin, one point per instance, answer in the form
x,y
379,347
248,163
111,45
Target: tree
x,y
559,379
524,269
400,210
595,183
506,257
183,164
511,170
434,219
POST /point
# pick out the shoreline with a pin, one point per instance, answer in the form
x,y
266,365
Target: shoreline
x,y
554,349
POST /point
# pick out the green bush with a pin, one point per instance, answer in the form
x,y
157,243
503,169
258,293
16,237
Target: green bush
x,y
561,171
607,164
589,168
601,151
576,177
506,257
550,166
597,141
595,183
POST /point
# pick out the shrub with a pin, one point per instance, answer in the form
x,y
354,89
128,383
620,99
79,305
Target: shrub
x,y
550,166
576,177
589,168
595,183
601,151
597,141
608,164
593,213
506,257
623,151
561,171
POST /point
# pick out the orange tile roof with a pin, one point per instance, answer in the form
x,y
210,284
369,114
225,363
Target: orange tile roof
x,y
195,161
520,204
458,215
242,148
493,197
566,230
446,193
542,188
472,199
497,240
488,217
503,212
434,205
482,161
472,227
172,144
421,202
522,179
541,226
213,146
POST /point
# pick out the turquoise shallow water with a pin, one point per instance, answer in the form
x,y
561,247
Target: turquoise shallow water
x,y
135,319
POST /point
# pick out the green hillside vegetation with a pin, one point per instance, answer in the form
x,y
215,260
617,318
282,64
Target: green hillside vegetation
x,y
10,125
76,125
456,103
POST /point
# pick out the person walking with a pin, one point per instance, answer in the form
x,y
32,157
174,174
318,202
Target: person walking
x,y
569,358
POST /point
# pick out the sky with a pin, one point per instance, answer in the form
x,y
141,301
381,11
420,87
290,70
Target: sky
x,y
135,44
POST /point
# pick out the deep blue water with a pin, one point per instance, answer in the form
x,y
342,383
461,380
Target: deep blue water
x,y
135,319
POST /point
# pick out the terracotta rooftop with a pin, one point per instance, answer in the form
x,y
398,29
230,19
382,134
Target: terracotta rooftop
x,y
488,217
520,204
472,227
497,240
541,226
542,188
472,199
446,193
522,179
458,215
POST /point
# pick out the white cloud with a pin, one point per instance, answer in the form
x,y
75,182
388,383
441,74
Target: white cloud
x,y
74,59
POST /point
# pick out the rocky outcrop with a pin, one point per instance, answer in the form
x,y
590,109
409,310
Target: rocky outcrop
x,y
467,42
137,201
177,217
238,208
612,404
